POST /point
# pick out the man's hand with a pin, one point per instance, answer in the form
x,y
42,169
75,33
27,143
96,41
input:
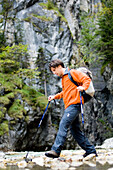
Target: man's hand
x,y
80,88
51,97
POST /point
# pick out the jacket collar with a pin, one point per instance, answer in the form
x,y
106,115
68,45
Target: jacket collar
x,y
66,71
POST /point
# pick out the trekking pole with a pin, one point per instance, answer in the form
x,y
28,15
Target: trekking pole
x,y
81,108
82,113
44,114
26,159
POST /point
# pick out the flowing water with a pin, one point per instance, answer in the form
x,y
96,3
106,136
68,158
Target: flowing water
x,y
14,160
83,167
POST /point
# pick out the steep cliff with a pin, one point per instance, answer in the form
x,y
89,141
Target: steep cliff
x,y
49,29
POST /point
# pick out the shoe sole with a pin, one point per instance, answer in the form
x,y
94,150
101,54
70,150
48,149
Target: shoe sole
x,y
90,157
51,155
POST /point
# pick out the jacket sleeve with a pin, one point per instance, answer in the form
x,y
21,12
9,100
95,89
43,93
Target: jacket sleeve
x,y
59,95
81,78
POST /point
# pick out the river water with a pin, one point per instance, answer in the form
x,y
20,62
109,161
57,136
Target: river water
x,y
82,167
104,161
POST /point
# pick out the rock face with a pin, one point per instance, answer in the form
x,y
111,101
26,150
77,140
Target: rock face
x,y
44,28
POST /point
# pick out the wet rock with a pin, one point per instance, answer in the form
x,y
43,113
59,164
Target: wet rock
x,y
22,164
108,143
3,165
69,159
2,154
39,161
56,37
56,164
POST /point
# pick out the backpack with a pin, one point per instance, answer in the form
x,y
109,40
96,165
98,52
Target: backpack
x,y
89,93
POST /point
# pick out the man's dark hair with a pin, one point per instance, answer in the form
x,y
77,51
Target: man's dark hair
x,y
56,63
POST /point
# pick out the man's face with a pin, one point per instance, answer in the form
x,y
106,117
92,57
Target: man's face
x,y
57,71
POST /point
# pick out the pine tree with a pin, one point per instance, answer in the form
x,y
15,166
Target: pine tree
x,y
97,36
105,32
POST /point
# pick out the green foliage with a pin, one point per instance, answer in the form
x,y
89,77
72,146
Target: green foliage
x,y
28,19
33,97
10,82
1,115
12,58
41,62
13,71
43,18
29,73
16,106
88,38
5,17
51,6
106,126
97,36
4,128
3,110
4,100
6,8
2,38
105,31
16,110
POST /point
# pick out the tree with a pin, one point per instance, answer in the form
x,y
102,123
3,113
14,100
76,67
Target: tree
x,y
6,8
105,31
41,62
97,36
14,60
87,41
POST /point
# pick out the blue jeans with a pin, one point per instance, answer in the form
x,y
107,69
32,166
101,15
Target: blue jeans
x,y
70,120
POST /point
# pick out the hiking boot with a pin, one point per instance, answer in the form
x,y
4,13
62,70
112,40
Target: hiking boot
x,y
86,154
52,154
90,156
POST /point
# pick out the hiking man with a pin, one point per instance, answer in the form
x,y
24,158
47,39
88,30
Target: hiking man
x,y
71,97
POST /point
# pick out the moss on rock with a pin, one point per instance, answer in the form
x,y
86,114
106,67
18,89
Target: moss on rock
x,y
4,128
1,115
14,94
16,110
9,82
10,95
4,100
33,98
29,95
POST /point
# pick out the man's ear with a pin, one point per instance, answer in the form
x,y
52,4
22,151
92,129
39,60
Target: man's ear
x,y
59,66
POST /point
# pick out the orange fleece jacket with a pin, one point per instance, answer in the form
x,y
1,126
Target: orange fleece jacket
x,y
69,92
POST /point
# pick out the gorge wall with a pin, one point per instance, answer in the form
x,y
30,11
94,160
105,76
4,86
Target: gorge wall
x,y
46,30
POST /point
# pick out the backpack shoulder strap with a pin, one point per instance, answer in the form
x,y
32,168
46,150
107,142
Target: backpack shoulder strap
x,y
71,78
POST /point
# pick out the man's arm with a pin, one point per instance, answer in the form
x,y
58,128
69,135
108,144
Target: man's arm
x,y
81,78
51,97
57,96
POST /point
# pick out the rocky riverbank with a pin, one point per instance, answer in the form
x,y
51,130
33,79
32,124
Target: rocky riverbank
x,y
70,159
